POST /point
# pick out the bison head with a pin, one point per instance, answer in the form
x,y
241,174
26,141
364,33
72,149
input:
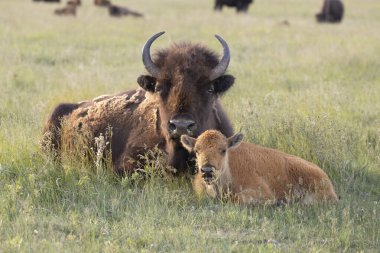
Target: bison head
x,y
186,79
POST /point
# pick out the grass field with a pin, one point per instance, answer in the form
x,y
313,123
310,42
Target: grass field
x,y
307,89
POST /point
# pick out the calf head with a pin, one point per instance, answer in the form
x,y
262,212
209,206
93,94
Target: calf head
x,y
186,79
211,150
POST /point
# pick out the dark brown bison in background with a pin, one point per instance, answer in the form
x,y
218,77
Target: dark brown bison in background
x,y
74,2
102,2
118,11
69,10
240,5
179,96
49,1
332,11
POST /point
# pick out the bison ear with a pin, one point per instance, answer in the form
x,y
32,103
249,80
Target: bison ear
x,y
223,83
188,142
148,83
235,141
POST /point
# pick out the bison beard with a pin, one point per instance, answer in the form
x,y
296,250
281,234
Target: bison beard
x,y
332,12
179,96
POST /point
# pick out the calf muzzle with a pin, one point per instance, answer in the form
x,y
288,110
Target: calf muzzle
x,y
208,173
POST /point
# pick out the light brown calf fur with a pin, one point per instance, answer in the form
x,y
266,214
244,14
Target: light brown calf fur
x,y
248,173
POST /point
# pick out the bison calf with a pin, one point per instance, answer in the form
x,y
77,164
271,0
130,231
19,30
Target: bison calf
x,y
332,11
248,173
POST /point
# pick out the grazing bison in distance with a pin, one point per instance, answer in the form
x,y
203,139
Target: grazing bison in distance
x,y
118,11
49,1
102,2
240,5
332,12
179,96
254,174
74,2
69,10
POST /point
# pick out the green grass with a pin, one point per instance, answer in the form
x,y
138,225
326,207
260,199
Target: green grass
x,y
307,89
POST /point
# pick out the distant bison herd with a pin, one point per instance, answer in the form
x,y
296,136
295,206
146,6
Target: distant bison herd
x,y
332,10
177,109
70,9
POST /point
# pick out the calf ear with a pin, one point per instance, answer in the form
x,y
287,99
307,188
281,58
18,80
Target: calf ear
x,y
235,141
188,142
148,83
223,83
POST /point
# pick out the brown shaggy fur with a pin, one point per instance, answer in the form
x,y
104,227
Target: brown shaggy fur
x,y
139,118
254,174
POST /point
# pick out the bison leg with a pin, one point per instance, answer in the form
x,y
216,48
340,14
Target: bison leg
x,y
320,17
324,192
218,5
125,165
260,194
130,161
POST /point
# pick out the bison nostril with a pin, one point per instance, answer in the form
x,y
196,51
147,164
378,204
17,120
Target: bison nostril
x,y
191,127
206,170
172,127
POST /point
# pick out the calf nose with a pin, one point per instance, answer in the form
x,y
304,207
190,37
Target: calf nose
x,y
207,171
179,127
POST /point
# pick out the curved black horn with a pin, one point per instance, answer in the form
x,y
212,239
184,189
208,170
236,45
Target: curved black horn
x,y
148,63
223,64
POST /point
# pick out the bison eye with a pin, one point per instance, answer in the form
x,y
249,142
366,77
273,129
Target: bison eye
x,y
211,89
158,89
223,151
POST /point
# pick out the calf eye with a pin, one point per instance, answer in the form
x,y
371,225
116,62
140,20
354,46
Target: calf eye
x,y
223,151
158,89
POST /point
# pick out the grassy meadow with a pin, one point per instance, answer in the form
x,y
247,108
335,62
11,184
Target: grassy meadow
x,y
307,89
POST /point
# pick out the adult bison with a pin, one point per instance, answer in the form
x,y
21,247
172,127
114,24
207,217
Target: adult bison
x,y
332,12
102,3
240,5
179,96
119,11
69,10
